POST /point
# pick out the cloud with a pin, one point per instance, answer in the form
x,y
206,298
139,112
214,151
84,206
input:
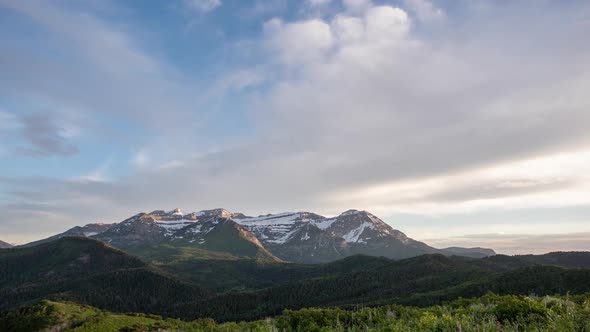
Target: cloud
x,y
425,10
202,6
8,122
359,109
553,180
119,78
357,6
511,244
45,136
318,3
298,42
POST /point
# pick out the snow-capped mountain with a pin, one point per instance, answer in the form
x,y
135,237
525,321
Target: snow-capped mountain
x,y
294,236
312,238
212,230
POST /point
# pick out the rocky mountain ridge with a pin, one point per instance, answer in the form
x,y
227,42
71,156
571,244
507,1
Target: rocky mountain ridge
x,y
303,237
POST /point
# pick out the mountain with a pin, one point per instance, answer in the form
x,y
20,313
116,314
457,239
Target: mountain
x,y
469,252
87,231
88,271
209,230
4,245
302,237
310,238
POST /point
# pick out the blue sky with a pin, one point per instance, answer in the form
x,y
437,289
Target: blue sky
x,y
458,122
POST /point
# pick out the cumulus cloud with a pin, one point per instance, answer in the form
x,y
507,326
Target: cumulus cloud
x,y
299,42
425,10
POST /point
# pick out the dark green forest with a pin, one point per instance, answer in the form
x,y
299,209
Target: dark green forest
x,y
89,272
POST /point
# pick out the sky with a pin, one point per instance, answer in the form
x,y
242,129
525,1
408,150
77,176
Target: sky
x,y
458,122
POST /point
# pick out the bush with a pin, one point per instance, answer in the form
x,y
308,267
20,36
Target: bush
x,y
512,309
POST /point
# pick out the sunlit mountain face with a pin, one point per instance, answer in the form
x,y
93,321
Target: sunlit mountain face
x,y
462,123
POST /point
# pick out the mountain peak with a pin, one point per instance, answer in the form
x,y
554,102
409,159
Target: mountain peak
x,y
219,213
214,212
351,212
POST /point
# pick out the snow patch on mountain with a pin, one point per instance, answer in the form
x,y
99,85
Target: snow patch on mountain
x,y
354,235
285,218
324,224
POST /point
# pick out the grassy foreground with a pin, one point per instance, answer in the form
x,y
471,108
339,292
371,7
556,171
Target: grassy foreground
x,y
487,313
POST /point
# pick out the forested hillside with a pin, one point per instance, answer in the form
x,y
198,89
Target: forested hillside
x,y
88,271
184,286
421,281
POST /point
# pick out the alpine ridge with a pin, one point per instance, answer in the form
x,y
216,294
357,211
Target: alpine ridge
x,y
302,237
4,245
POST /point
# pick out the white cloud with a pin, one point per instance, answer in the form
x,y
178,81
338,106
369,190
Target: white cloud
x,y
317,3
347,29
386,24
557,180
202,5
300,42
425,10
141,158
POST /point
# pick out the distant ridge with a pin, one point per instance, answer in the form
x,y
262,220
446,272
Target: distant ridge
x,y
5,245
86,231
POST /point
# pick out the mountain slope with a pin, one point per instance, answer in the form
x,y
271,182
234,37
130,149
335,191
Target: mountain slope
x,y
4,245
310,238
87,230
88,271
209,231
301,237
